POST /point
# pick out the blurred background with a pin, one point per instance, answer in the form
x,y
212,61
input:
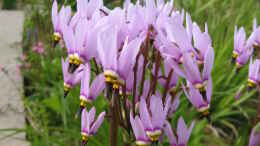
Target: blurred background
x,y
33,112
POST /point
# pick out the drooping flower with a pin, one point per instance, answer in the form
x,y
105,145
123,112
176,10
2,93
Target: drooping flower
x,y
117,66
200,101
74,44
243,48
253,73
202,42
139,132
239,41
60,20
256,31
183,133
70,80
89,126
153,121
108,52
89,93
86,10
191,70
254,137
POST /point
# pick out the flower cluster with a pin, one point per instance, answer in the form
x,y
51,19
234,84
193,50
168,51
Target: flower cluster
x,y
244,49
123,47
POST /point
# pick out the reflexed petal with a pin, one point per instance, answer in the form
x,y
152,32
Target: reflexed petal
x,y
191,68
194,96
84,88
98,123
128,56
69,39
144,115
91,118
182,131
84,115
54,14
169,133
209,90
134,125
189,27
97,86
65,66
107,44
158,114
140,132
208,63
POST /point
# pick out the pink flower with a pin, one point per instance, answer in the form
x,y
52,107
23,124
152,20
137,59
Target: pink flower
x,y
39,48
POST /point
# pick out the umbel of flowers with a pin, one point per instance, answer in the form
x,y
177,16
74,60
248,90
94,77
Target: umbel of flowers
x,y
132,51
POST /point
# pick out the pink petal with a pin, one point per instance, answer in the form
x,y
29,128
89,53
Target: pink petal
x,y
169,133
98,123
97,86
208,63
54,14
144,115
84,88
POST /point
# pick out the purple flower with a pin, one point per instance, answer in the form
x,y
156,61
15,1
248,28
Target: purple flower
x,y
256,31
197,99
75,44
172,104
117,66
60,20
183,133
202,42
89,126
191,70
139,132
38,48
153,121
254,137
107,44
242,47
257,38
86,10
89,93
253,73
239,41
70,80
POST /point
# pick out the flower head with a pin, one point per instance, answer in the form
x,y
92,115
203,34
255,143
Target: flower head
x,y
89,93
70,80
253,73
60,20
183,133
89,126
202,42
139,132
153,117
243,48
191,70
200,101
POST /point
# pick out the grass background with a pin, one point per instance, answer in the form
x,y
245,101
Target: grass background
x,y
50,118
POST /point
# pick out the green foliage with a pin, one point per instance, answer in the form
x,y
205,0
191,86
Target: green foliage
x,y
9,4
51,118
